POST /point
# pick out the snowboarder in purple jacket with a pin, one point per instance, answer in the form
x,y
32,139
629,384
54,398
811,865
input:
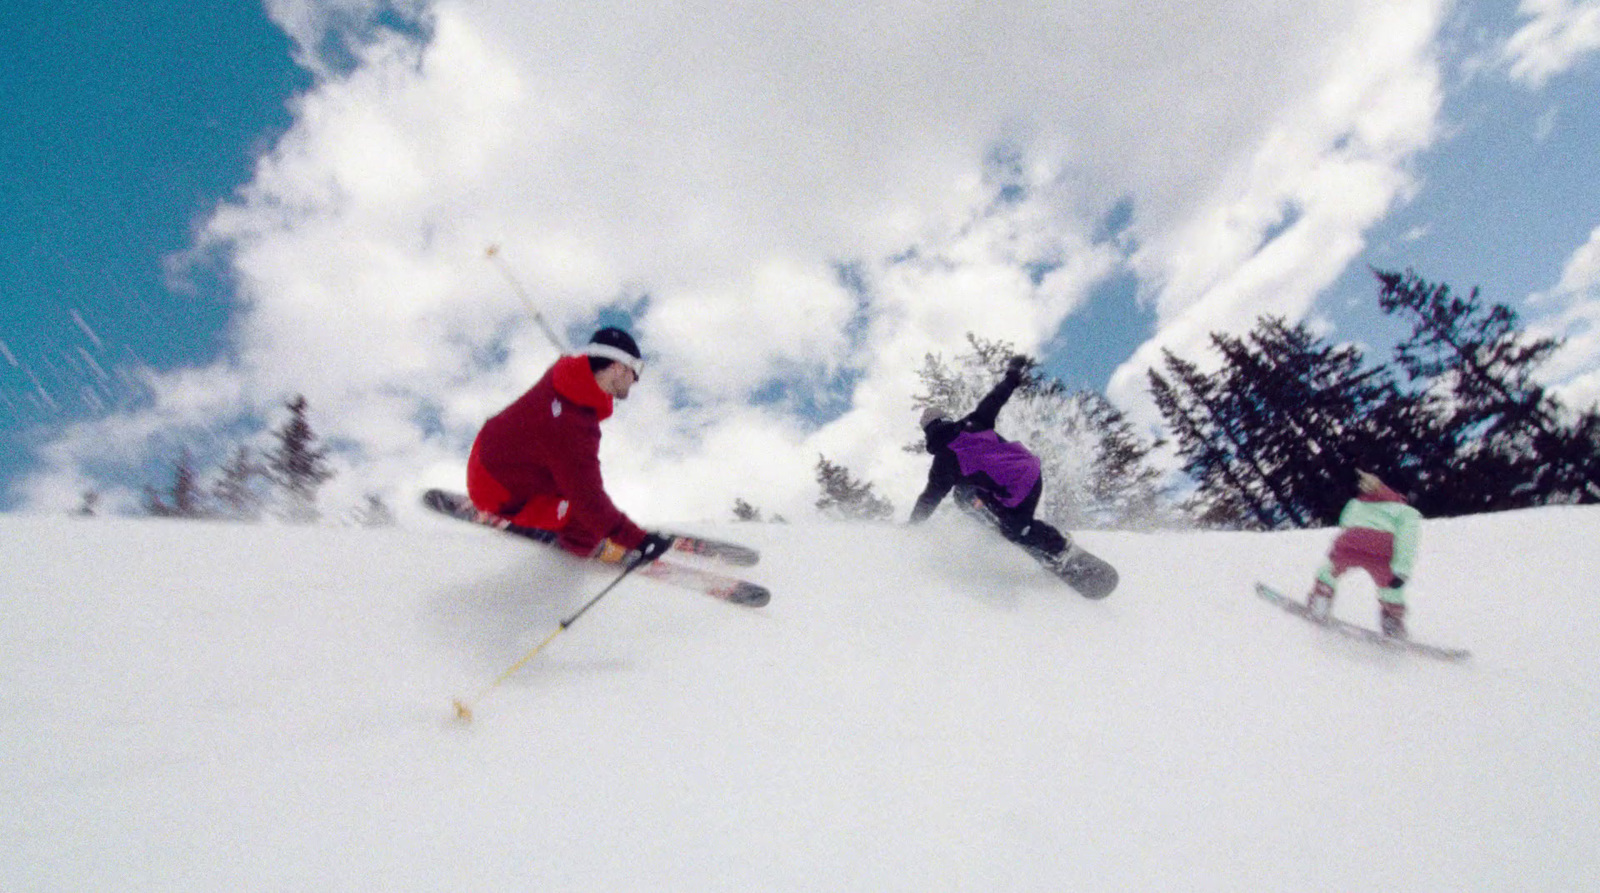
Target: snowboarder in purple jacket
x,y
970,458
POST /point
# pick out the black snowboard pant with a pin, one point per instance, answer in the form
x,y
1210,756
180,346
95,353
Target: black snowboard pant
x,y
1017,523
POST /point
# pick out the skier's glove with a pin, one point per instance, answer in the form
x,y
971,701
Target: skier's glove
x,y
655,545
1396,581
1014,368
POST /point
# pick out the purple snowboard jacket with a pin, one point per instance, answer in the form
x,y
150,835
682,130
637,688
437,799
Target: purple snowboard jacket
x,y
968,452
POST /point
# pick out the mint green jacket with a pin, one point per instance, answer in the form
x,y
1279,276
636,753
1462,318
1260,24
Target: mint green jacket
x,y
1386,512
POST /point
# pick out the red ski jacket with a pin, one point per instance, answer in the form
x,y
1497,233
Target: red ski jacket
x,y
537,463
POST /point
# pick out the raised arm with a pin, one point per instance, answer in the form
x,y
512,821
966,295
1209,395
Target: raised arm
x,y
983,417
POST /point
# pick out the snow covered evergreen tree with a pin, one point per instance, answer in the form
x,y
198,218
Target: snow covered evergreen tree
x,y
744,511
845,498
89,506
373,513
1095,465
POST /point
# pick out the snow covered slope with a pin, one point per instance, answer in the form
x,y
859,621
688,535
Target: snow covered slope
x,y
193,706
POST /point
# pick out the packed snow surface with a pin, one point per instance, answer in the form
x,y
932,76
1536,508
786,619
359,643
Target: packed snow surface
x,y
201,706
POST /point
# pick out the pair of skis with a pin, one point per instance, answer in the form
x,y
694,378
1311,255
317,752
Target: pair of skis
x,y
673,573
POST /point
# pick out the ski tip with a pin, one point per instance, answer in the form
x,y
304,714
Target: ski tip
x,y
751,595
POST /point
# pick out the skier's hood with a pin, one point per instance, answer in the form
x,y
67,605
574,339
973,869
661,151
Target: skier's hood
x,y
574,380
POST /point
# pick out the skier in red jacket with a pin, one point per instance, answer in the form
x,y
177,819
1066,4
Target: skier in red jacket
x,y
537,463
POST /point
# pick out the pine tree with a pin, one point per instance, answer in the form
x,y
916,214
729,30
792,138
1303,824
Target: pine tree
x,y
845,498
1314,413
89,505
1095,466
1126,489
183,498
1511,443
234,491
1277,433
186,496
297,465
744,511
1232,487
374,512
1579,451
154,505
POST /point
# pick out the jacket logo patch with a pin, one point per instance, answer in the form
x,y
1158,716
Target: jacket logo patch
x,y
555,407
561,509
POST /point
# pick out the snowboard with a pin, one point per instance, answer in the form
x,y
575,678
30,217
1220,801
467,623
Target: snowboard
x,y
1088,574
1353,631
723,586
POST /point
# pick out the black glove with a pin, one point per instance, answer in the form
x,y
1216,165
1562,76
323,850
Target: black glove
x,y
1396,581
1016,367
655,545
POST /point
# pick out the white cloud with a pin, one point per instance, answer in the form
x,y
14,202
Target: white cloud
x,y
1571,312
1582,270
709,167
1333,164
727,337
1557,34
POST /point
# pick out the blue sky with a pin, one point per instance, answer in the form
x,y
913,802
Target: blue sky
x,y
213,206
125,125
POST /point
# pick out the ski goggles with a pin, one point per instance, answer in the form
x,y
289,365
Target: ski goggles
x,y
616,354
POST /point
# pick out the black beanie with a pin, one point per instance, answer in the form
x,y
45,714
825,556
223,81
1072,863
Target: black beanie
x,y
612,345
611,336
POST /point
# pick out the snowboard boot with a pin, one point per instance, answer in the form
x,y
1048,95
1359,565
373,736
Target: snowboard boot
x,y
1320,603
1392,619
1059,563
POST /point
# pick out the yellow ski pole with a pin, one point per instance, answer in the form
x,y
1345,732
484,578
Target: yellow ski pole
x,y
493,254
464,708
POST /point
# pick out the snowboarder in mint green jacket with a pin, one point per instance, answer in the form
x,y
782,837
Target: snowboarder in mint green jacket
x,y
1379,536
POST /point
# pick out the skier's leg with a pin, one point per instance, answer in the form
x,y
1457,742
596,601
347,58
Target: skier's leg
x,y
1030,503
1391,593
1320,602
1016,521
1039,537
1043,537
1021,527
1016,525
1392,611
536,517
964,494
486,493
